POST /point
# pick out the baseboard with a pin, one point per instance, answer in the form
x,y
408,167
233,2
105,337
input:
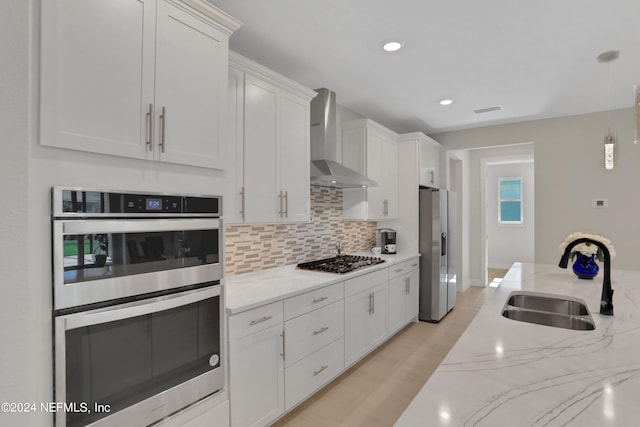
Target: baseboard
x,y
461,287
477,282
500,266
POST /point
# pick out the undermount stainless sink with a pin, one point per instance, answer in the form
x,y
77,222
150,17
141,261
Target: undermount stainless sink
x,y
550,310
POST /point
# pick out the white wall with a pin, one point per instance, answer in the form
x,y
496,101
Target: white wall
x,y
509,243
569,175
18,377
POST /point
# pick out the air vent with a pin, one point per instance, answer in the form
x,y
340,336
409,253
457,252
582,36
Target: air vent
x,y
488,109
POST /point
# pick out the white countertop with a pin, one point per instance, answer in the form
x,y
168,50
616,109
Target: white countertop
x,y
250,290
503,372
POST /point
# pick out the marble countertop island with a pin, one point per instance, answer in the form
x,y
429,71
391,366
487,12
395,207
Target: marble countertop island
x,y
503,372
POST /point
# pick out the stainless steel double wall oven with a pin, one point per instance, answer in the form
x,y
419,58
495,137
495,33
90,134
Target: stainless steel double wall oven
x,y
138,310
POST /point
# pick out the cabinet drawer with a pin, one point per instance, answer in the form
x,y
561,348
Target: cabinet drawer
x,y
412,264
364,282
308,333
301,304
398,269
311,373
258,319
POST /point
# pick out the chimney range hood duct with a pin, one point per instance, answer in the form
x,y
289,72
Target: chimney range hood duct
x,y
325,171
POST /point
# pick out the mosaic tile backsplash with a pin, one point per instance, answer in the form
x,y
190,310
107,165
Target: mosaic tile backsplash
x,y
258,247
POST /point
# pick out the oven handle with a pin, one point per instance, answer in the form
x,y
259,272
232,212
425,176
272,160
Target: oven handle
x,y
137,226
136,308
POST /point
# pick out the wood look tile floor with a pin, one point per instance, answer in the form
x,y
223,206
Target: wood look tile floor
x,y
377,390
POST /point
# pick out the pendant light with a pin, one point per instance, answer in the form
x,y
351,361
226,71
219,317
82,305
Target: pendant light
x,y
609,140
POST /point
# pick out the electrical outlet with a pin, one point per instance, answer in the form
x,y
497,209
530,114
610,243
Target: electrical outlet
x,y
599,203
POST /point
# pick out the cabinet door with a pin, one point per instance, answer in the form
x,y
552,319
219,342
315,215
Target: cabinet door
x,y
357,311
261,163
389,178
294,146
412,300
365,322
191,88
375,195
256,375
377,330
97,75
234,181
397,298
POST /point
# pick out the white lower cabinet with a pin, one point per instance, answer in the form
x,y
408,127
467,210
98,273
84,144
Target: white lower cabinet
x,y
256,365
311,332
365,318
312,372
403,294
257,378
281,353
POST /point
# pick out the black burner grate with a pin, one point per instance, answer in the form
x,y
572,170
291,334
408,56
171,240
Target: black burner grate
x,y
342,264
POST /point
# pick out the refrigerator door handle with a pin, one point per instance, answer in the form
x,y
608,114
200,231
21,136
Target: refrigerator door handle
x,y
443,244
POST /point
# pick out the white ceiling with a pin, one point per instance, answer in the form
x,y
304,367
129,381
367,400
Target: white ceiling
x,y
536,59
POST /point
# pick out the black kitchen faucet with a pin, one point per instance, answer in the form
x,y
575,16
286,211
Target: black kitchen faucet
x,y
606,301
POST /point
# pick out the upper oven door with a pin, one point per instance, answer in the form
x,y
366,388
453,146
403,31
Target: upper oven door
x,y
101,260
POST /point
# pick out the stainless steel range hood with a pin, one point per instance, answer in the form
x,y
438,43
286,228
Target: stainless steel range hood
x,y
325,170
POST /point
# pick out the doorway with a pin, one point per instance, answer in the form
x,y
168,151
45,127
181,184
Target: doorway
x,y
509,212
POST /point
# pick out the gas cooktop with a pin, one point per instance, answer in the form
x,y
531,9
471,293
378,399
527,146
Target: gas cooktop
x,y
340,264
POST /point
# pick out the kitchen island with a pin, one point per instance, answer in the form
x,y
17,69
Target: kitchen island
x,y
503,372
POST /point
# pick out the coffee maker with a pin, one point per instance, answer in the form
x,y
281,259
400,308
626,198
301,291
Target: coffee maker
x,y
386,240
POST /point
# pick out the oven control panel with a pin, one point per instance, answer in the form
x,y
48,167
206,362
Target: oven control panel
x,y
145,203
100,203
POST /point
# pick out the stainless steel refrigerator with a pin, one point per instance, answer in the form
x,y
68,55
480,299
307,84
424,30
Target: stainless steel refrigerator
x,y
437,269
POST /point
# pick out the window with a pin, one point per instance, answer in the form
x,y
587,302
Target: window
x,y
510,201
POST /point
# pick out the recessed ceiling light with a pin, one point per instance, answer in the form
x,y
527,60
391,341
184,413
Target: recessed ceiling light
x,y
392,46
446,102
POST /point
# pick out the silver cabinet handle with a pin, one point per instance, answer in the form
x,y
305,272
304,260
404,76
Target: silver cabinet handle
x,y
373,303
385,207
264,319
286,204
163,120
315,301
150,127
242,202
432,172
398,270
406,286
370,302
414,265
322,368
280,212
283,349
321,330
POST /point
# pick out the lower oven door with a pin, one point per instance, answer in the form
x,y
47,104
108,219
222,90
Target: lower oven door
x,y
136,363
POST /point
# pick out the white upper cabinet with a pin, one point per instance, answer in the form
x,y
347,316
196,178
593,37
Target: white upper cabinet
x,y
427,153
371,149
269,116
145,79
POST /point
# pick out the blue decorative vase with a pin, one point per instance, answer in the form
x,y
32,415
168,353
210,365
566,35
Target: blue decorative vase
x,y
585,266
